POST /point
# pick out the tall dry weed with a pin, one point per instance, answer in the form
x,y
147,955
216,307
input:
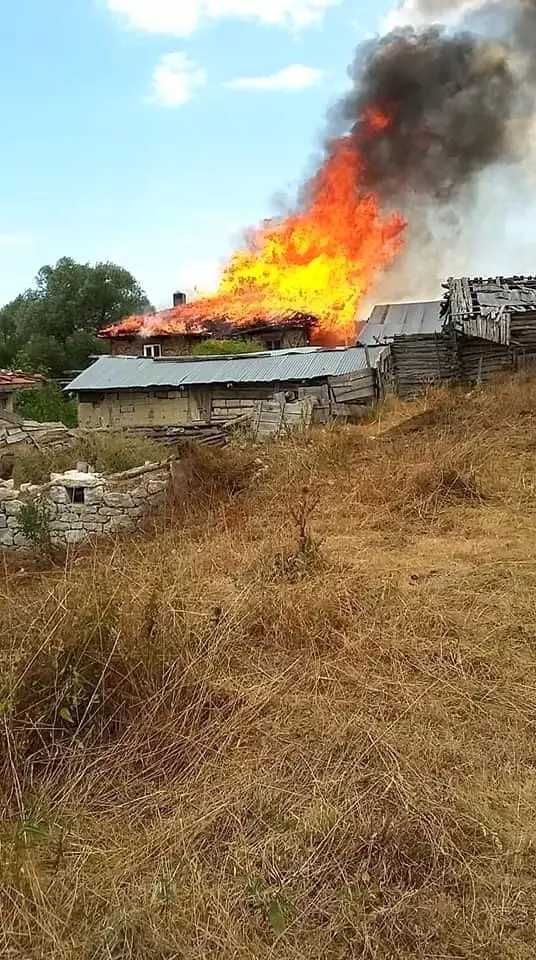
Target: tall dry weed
x,y
204,755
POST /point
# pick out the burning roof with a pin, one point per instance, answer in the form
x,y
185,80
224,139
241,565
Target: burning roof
x,y
427,112
203,317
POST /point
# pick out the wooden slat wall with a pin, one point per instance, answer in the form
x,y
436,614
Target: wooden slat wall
x,y
481,360
354,387
419,362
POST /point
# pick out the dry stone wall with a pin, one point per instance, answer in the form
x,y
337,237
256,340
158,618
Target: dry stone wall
x,y
82,505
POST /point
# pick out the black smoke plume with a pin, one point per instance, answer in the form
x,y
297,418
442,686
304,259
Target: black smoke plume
x,y
450,98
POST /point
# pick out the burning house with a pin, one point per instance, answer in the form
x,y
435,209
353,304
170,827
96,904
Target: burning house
x,y
176,331
428,112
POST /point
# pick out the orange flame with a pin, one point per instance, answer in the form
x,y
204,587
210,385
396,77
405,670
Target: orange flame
x,y
319,261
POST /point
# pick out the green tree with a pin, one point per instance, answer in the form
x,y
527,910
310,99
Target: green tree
x,y
52,327
212,348
47,405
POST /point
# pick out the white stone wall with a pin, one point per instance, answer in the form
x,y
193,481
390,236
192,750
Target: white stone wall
x,y
110,505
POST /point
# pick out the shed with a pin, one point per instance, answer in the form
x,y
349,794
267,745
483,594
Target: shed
x,y
419,351
495,323
139,392
11,381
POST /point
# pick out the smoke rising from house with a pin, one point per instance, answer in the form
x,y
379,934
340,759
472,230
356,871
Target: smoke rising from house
x,y
458,101
447,102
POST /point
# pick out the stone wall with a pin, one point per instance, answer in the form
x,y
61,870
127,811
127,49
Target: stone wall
x,y
82,505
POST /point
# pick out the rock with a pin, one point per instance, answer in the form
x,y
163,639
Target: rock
x,y
74,536
12,507
58,495
6,538
13,523
136,512
120,523
19,540
93,527
157,486
8,493
120,500
93,495
109,512
73,478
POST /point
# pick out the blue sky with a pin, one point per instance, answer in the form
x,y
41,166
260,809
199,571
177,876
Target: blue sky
x,y
149,132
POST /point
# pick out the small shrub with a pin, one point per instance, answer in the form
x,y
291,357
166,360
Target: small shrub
x,y
34,518
213,348
225,471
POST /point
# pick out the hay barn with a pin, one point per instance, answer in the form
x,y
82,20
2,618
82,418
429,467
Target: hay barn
x,y
120,392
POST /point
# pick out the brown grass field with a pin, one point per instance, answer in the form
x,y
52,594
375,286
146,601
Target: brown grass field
x,y
296,719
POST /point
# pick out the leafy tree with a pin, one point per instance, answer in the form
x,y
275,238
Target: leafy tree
x,y
47,405
52,327
212,348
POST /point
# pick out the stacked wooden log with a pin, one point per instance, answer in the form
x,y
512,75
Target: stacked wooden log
x,y
212,435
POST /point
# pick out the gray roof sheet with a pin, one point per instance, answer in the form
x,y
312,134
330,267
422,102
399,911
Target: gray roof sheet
x,y
401,319
123,373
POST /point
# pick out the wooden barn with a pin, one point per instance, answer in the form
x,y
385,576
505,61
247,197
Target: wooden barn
x,y
417,352
494,321
481,328
128,392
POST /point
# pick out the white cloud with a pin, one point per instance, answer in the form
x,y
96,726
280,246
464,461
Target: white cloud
x,y
181,18
294,78
420,13
176,80
14,240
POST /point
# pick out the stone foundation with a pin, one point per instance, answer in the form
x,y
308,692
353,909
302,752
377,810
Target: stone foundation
x,y
82,505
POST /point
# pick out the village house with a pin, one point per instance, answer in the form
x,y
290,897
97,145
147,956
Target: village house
x,y
125,392
170,333
11,381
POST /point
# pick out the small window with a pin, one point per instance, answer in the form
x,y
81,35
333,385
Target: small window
x,y
273,344
76,494
152,350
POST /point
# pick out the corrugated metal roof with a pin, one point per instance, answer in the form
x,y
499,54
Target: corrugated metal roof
x,y
401,319
123,373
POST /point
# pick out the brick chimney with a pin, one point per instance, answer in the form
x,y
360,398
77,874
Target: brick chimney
x,y
178,298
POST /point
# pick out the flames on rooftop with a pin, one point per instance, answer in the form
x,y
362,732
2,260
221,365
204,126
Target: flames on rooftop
x,y
427,112
314,264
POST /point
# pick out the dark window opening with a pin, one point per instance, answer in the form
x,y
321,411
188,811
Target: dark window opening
x,y
274,344
152,350
76,494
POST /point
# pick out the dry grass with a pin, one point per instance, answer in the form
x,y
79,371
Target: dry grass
x,y
109,453
295,721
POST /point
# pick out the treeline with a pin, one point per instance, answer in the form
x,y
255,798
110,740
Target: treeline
x,y
51,328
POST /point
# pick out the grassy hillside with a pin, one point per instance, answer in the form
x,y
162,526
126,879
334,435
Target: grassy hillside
x,y
296,720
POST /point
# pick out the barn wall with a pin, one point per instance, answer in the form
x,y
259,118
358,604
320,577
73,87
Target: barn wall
x,y
421,361
480,360
130,408
236,401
